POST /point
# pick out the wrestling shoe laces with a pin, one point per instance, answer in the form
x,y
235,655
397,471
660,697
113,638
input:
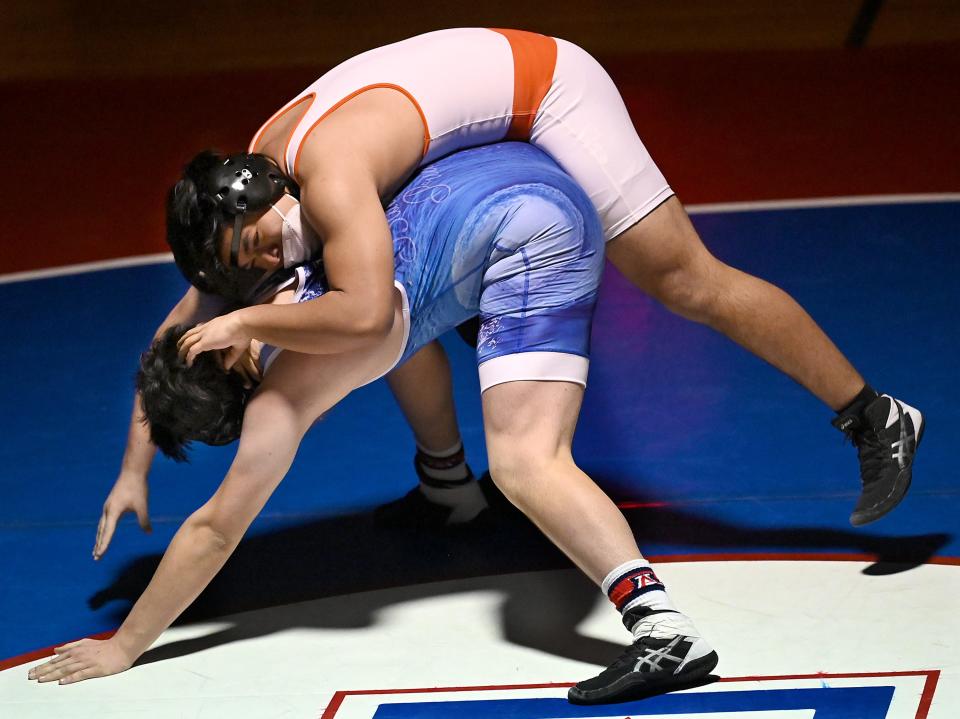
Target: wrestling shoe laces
x,y
886,434
663,625
667,653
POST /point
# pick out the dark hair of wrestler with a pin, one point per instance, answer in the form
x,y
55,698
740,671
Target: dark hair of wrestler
x,y
195,227
184,404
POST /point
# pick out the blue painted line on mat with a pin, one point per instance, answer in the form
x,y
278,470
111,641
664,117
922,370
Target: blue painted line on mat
x,y
871,702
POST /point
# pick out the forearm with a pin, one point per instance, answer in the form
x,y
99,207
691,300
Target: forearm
x,y
330,324
193,558
139,453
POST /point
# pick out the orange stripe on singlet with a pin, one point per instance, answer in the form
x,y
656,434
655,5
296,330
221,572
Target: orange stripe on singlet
x,y
390,86
311,97
534,60
276,117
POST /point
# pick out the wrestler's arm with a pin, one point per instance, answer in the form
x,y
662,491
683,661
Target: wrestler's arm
x,y
129,492
356,311
297,390
344,170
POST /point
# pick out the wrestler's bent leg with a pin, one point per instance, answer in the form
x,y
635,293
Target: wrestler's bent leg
x,y
585,126
529,427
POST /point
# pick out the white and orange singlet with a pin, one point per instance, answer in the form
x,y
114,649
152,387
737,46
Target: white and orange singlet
x,y
477,86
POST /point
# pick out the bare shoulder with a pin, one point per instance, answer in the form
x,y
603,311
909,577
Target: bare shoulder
x,y
379,134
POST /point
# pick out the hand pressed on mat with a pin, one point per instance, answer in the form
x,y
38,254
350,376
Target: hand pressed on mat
x,y
84,659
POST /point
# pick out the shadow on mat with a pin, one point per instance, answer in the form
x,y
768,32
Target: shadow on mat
x,y
348,554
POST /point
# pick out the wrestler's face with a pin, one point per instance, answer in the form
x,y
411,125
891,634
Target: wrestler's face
x,y
260,238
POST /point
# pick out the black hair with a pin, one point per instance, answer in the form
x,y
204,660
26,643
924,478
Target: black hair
x,y
182,404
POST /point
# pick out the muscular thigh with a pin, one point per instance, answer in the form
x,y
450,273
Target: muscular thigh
x,y
661,249
530,420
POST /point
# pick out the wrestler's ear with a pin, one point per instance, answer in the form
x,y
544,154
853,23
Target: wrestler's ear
x,y
270,258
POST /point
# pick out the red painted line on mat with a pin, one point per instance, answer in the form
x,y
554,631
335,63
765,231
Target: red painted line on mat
x,y
827,675
641,505
930,685
334,706
926,699
46,652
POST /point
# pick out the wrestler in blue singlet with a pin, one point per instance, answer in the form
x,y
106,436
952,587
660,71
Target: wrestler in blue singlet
x,y
500,231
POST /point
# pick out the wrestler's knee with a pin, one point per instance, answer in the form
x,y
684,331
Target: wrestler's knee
x,y
693,290
664,256
529,426
518,470
675,270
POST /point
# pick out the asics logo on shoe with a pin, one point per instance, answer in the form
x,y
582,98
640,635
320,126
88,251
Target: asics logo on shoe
x,y
902,445
657,656
900,455
846,423
894,413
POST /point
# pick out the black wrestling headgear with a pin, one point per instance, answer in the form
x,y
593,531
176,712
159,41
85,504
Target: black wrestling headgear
x,y
242,183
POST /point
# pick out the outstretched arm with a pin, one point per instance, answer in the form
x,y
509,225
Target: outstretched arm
x,y
297,390
198,550
208,537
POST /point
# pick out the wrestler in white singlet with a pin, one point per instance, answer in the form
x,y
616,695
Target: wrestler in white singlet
x,y
476,86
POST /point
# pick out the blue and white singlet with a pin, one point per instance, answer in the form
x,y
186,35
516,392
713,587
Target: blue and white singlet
x,y
500,231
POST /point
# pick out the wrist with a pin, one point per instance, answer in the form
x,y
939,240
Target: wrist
x,y
244,318
127,645
132,475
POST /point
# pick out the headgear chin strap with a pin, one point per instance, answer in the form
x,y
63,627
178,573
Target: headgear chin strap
x,y
242,183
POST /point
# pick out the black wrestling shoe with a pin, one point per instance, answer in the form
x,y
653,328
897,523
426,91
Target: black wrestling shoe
x,y
887,433
669,654
414,511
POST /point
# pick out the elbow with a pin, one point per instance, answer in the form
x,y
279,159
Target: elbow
x,y
375,323
212,536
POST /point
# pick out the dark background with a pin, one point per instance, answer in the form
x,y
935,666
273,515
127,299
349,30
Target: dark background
x,y
71,39
102,103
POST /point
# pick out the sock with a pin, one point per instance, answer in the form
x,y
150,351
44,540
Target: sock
x,y
863,398
634,585
445,479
